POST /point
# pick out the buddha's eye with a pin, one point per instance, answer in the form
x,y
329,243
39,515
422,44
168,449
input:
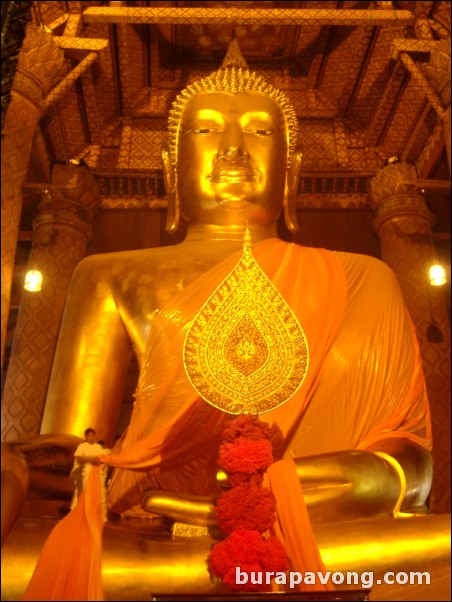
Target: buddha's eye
x,y
204,131
259,131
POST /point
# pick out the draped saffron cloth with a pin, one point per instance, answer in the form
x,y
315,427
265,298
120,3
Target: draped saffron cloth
x,y
69,566
364,383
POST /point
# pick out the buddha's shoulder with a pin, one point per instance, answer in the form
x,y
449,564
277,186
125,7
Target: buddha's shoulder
x,y
366,268
121,263
187,258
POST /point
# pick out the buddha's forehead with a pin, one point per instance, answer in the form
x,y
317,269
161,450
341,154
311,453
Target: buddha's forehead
x,y
228,103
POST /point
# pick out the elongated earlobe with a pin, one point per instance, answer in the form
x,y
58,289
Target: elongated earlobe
x,y
172,197
290,193
172,212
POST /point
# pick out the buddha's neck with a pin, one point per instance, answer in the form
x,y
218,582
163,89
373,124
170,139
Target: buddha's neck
x,y
233,232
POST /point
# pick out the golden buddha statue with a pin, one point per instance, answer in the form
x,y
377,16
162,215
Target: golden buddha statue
x,y
358,428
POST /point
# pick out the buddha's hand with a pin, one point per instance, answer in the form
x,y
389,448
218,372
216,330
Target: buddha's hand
x,y
198,510
49,460
336,486
38,467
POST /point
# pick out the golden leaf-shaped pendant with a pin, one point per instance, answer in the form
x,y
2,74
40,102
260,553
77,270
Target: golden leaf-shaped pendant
x,y
245,352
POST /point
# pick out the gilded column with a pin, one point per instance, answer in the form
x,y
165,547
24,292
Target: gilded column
x,y
403,224
41,65
15,16
61,231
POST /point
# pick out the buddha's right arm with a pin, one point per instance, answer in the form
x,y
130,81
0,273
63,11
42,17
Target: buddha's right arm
x,y
337,486
91,359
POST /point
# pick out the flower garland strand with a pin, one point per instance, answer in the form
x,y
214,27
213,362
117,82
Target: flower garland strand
x,y
247,510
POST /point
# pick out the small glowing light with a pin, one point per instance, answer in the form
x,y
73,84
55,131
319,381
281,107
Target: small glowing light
x,y
437,275
33,281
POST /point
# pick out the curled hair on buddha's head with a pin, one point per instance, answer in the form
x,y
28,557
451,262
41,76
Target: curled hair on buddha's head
x,y
233,76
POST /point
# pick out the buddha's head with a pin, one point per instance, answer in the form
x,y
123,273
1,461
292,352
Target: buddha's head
x,y
231,157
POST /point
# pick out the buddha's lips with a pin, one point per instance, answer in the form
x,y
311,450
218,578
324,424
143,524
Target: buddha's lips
x,y
233,205
232,173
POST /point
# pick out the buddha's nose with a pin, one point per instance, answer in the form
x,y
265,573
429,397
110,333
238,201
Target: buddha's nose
x,y
232,146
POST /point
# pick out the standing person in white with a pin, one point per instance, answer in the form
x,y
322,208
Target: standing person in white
x,y
85,456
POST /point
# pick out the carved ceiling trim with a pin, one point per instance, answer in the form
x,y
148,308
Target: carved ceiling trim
x,y
73,25
244,16
404,45
82,44
356,105
416,126
60,89
431,151
362,71
442,32
381,118
423,83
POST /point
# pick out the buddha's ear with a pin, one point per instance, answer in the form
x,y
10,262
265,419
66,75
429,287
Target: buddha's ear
x,y
170,183
290,192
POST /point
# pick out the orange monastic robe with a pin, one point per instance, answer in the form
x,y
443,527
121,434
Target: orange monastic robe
x,y
364,381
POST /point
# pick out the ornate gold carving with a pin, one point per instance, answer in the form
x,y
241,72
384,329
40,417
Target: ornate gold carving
x,y
82,44
332,201
60,234
439,70
393,192
75,183
184,530
66,84
419,134
56,250
14,19
403,204
244,16
394,179
41,66
431,150
132,203
385,106
131,65
404,45
422,83
245,352
20,123
74,24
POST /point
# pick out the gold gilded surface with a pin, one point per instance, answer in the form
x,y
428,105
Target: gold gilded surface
x,y
139,559
232,78
401,210
184,530
245,352
243,16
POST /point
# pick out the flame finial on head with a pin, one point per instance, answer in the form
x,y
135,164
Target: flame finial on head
x,y
234,56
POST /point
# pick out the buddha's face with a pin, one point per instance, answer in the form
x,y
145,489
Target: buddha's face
x,y
231,159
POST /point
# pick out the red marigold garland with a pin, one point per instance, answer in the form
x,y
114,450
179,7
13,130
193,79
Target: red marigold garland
x,y
247,510
246,506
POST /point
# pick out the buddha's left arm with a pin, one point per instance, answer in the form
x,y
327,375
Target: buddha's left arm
x,y
354,484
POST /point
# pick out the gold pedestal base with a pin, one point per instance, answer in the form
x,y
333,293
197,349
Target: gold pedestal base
x,y
140,560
